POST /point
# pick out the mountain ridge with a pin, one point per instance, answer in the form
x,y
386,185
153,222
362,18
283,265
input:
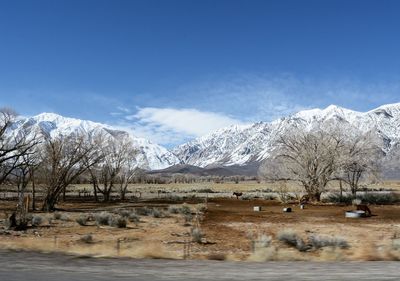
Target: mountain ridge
x,y
241,145
150,156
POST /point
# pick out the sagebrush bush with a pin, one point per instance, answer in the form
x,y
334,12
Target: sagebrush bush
x,y
157,213
396,244
64,217
37,220
201,208
366,198
292,239
57,215
133,217
188,218
87,238
197,235
117,221
173,209
82,219
124,213
144,211
102,218
264,241
185,209
318,242
203,190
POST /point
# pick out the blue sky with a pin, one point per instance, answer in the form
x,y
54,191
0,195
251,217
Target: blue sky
x,y
173,70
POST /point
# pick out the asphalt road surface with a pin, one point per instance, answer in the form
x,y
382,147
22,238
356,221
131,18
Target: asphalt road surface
x,y
43,267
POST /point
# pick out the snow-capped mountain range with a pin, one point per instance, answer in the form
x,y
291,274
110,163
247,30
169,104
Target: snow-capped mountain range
x,y
241,145
150,157
235,145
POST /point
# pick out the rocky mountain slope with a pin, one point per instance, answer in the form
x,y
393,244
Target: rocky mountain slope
x,y
151,156
242,145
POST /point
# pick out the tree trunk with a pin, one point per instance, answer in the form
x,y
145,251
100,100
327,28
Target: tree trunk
x,y
64,191
49,203
33,192
96,198
315,196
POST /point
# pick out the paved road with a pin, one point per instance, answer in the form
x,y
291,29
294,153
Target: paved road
x,y
34,266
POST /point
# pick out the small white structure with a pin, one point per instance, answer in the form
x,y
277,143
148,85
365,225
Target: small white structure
x,y
257,209
287,210
355,214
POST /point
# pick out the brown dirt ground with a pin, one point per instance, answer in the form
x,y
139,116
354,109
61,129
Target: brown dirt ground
x,y
228,225
230,222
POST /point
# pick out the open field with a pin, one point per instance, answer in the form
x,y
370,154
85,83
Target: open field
x,y
199,190
230,230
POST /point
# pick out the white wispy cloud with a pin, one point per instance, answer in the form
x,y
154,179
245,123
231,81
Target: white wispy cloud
x,y
171,126
198,108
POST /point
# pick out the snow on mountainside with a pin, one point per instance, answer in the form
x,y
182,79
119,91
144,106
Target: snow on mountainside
x,y
241,145
151,156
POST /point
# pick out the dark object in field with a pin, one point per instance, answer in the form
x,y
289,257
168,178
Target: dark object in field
x,y
13,220
364,208
304,199
287,210
238,194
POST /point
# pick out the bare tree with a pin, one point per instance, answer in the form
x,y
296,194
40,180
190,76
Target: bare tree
x,y
311,158
23,174
64,160
359,160
117,166
125,177
13,144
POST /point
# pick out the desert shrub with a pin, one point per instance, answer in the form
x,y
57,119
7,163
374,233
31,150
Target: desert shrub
x,y
204,190
144,211
263,241
157,213
337,199
197,235
379,198
6,223
124,213
247,196
102,218
396,244
82,219
37,220
29,217
188,218
185,209
173,209
57,215
65,217
201,208
366,198
133,217
292,239
87,238
269,196
117,221
283,193
318,242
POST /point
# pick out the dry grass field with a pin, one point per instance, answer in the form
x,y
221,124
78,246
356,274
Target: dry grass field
x,y
210,225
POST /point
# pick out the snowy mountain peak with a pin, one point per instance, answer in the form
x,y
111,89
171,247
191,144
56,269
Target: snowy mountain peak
x,y
242,145
329,112
151,156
